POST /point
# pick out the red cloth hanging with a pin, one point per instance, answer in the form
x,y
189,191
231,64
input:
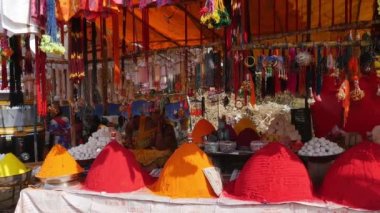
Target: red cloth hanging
x,y
4,75
40,83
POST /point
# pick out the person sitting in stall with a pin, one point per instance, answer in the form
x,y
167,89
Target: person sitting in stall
x,y
151,139
59,127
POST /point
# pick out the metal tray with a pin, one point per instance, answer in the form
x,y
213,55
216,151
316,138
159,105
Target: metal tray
x,y
15,179
60,180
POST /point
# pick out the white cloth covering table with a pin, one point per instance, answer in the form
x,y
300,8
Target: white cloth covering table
x,y
77,200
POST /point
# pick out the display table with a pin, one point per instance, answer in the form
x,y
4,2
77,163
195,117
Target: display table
x,y
75,200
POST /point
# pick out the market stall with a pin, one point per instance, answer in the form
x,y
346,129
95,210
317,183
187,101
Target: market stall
x,y
214,105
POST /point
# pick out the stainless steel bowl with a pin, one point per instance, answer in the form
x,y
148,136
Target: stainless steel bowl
x,y
15,179
60,180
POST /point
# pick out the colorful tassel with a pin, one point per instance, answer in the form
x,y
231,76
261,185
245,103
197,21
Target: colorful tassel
x,y
40,83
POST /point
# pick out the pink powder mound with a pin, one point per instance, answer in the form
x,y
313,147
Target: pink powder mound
x,y
246,136
354,179
274,174
116,170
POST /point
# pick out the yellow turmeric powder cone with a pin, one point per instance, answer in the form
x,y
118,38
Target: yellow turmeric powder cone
x,y
59,163
10,165
182,175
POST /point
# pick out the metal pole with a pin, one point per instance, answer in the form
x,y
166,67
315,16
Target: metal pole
x,y
35,142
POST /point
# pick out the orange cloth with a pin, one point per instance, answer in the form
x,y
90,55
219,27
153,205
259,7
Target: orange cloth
x,y
346,101
182,175
65,9
59,163
353,67
202,128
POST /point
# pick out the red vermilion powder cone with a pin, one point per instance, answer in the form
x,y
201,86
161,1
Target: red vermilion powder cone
x,y
354,179
116,170
274,174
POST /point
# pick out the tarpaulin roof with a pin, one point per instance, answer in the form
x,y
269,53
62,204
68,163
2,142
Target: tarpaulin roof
x,y
277,17
167,26
269,21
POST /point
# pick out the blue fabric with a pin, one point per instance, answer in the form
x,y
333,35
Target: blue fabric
x,y
172,108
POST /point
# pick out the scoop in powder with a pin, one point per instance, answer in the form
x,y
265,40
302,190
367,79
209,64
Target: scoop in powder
x,y
116,170
182,175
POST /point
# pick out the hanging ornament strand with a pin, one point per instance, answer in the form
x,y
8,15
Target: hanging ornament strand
x,y
15,93
6,53
214,14
49,42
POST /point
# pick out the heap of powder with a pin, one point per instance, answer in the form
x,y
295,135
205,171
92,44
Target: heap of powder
x,y
58,163
246,136
182,175
274,174
231,132
354,178
116,170
10,165
244,123
202,128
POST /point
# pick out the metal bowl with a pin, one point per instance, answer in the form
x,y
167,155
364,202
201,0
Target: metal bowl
x,y
15,179
62,180
227,146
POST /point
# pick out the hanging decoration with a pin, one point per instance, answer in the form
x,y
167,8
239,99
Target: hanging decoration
x,y
344,96
15,94
214,14
353,66
357,94
40,83
49,42
321,62
76,63
28,70
6,53
28,64
367,55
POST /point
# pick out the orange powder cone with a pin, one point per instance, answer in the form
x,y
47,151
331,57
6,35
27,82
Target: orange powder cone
x,y
244,123
59,163
202,128
182,175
